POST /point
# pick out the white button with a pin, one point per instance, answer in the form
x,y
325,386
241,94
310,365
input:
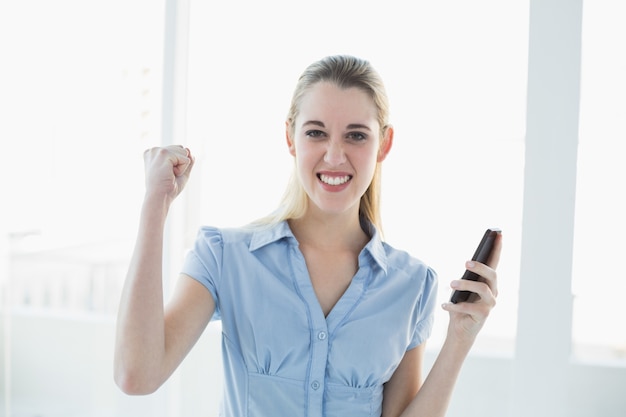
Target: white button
x,y
321,335
315,385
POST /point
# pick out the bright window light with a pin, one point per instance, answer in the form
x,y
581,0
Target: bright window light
x,y
456,76
598,279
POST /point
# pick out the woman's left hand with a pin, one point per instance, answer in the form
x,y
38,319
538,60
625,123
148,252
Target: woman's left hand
x,y
467,318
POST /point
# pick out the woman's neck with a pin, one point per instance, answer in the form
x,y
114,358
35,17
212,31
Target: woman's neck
x,y
332,232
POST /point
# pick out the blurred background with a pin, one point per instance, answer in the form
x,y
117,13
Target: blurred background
x,y
87,86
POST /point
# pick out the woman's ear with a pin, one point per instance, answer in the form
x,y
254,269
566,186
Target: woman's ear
x,y
290,143
385,144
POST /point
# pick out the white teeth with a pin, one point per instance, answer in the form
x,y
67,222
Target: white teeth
x,y
334,180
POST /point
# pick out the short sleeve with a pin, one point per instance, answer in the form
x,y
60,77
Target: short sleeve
x,y
425,310
204,263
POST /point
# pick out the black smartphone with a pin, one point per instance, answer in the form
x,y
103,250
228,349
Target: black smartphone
x,y
481,255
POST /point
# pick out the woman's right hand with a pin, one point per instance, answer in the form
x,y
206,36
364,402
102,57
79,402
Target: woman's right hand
x,y
167,170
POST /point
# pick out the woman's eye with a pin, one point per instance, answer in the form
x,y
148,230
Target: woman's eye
x,y
314,133
356,136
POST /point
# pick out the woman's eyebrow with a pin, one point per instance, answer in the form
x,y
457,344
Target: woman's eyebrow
x,y
350,126
313,122
357,126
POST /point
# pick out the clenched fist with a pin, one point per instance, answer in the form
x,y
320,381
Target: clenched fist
x,y
167,170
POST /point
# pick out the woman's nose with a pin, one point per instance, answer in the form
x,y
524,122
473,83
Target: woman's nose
x,y
335,154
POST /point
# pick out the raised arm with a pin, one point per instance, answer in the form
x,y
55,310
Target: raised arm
x,y
151,341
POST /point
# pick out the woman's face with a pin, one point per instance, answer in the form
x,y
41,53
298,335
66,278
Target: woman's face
x,y
336,144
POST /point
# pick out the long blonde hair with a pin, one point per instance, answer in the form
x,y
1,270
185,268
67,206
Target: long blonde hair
x,y
346,72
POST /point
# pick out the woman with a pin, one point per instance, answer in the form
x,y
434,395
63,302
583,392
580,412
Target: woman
x,y
320,317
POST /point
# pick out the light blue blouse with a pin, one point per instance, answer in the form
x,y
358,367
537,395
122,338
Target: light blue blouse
x,y
281,356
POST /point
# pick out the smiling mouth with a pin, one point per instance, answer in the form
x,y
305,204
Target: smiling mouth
x,y
334,180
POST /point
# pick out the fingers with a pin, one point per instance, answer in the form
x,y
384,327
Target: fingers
x,y
182,162
176,154
167,169
477,311
484,291
467,318
487,274
472,314
184,168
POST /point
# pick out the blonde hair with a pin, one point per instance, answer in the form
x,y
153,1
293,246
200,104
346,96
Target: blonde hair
x,y
346,72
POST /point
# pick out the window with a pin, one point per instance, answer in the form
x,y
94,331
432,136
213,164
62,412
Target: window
x,y
458,97
80,102
598,277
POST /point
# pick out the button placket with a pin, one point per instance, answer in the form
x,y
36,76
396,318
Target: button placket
x,y
319,336
317,373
